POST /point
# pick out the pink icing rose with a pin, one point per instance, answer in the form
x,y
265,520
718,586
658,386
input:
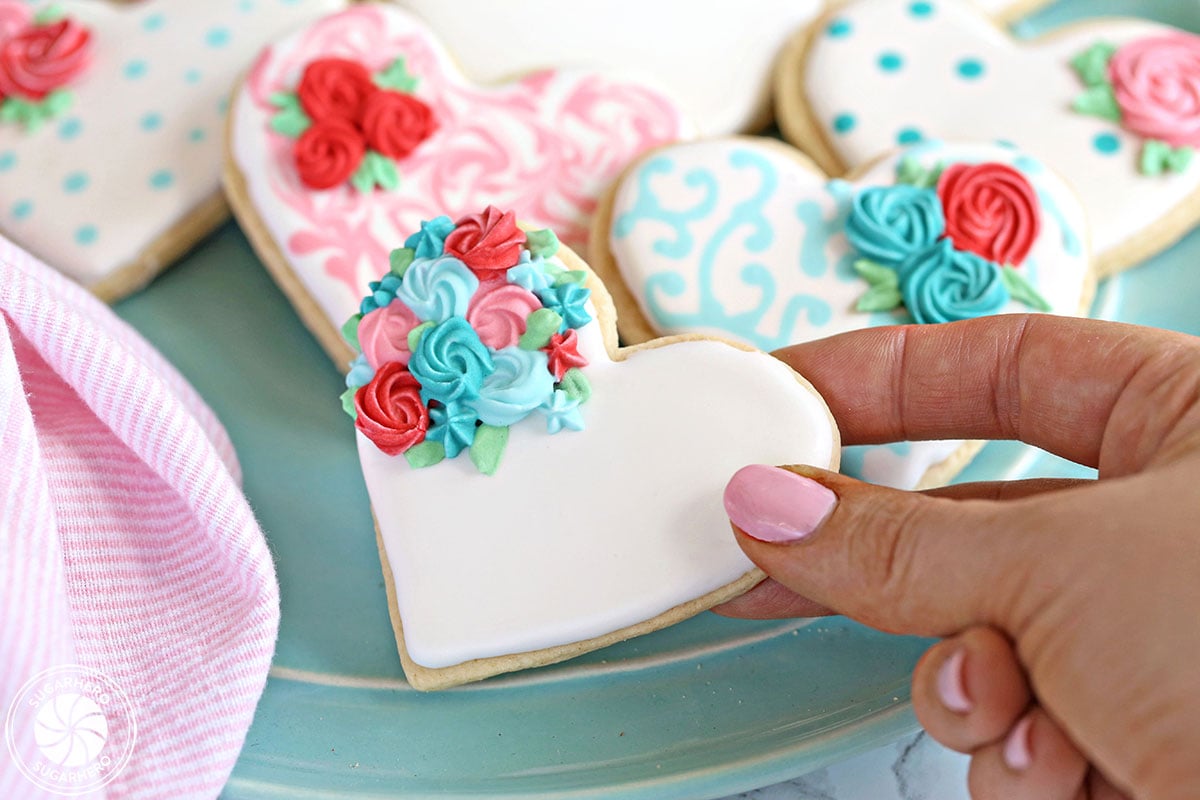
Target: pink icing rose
x,y
383,334
1157,85
498,312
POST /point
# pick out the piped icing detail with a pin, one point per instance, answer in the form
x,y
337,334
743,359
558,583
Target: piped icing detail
x,y
455,347
40,55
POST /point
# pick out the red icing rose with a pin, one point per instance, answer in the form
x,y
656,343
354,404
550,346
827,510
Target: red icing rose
x,y
396,123
389,410
328,153
991,210
43,58
1157,85
335,88
563,352
489,243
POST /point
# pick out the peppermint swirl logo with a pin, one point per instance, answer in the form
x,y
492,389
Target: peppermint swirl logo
x,y
70,730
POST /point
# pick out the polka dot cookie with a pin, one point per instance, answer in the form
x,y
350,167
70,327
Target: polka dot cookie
x,y
1097,102
114,173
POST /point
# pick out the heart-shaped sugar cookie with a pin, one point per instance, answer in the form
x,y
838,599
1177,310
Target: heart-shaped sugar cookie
x,y
1106,104
349,133
538,491
747,239
110,132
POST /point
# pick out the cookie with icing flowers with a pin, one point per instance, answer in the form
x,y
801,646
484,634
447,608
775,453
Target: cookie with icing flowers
x,y
1113,105
347,134
538,491
747,239
110,126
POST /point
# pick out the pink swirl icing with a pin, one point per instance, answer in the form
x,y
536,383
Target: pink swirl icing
x,y
15,17
498,312
1157,85
383,334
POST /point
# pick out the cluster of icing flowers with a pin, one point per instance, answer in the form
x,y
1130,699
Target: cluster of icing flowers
x,y
351,125
472,330
945,243
39,55
1151,87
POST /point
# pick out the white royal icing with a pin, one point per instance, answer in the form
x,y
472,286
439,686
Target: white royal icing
x,y
140,147
1015,92
733,238
579,534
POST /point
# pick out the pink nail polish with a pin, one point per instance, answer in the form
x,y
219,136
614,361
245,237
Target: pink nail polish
x,y
952,685
1018,754
774,505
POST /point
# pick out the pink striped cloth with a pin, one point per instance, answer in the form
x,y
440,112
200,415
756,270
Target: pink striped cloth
x,y
127,547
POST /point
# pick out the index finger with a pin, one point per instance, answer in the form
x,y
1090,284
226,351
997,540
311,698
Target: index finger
x,y
1075,387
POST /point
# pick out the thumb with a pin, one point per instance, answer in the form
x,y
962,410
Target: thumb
x,y
898,561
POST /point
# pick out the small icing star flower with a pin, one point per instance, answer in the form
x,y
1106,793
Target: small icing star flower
x,y
561,412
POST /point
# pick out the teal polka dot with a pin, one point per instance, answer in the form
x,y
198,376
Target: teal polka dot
x,y
1106,144
152,122
191,76
921,10
891,61
22,209
86,234
69,128
135,69
844,123
217,37
8,160
1006,144
246,6
197,135
908,136
162,179
840,28
154,22
970,69
75,183
222,105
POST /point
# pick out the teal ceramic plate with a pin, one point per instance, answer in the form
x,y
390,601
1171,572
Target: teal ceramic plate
x,y
708,708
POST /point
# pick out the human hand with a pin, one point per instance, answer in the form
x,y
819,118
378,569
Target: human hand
x,y
1070,666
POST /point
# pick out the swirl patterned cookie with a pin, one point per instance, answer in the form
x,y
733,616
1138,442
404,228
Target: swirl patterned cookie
x,y
748,239
353,131
510,446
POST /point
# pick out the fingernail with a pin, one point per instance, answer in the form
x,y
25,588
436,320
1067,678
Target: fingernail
x,y
1017,753
952,685
774,505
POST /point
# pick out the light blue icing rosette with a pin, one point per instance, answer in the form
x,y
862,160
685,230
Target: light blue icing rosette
x,y
520,383
438,289
890,223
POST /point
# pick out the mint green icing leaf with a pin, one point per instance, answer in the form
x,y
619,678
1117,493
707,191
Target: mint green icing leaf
x,y
350,331
539,327
572,276
425,454
290,120
348,402
552,269
576,385
910,171
1022,290
880,298
400,260
386,174
397,77
1098,101
1159,157
1181,158
31,115
57,102
283,99
877,274
488,448
542,243
363,178
1092,64
414,336
49,15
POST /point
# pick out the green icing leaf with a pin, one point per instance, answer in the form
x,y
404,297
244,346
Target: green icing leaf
x,y
49,15
1092,64
1098,101
488,448
363,178
910,171
414,336
348,402
350,331
290,120
553,269
573,276
1159,157
576,385
542,243
877,274
397,77
539,327
386,174
31,115
57,102
400,260
1022,290
880,298
425,454
283,99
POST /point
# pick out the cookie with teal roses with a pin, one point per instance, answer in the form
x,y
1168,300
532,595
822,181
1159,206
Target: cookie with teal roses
x,y
748,239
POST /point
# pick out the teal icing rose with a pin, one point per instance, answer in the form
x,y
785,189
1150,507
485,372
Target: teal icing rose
x,y
520,383
430,241
942,284
450,362
887,224
437,289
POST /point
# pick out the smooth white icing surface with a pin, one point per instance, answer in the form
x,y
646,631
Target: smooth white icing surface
x,y
582,533
1024,97
140,148
732,238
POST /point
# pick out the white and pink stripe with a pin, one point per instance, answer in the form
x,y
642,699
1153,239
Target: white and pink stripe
x,y
125,542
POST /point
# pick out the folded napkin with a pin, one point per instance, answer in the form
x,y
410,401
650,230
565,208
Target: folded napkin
x,y
126,547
